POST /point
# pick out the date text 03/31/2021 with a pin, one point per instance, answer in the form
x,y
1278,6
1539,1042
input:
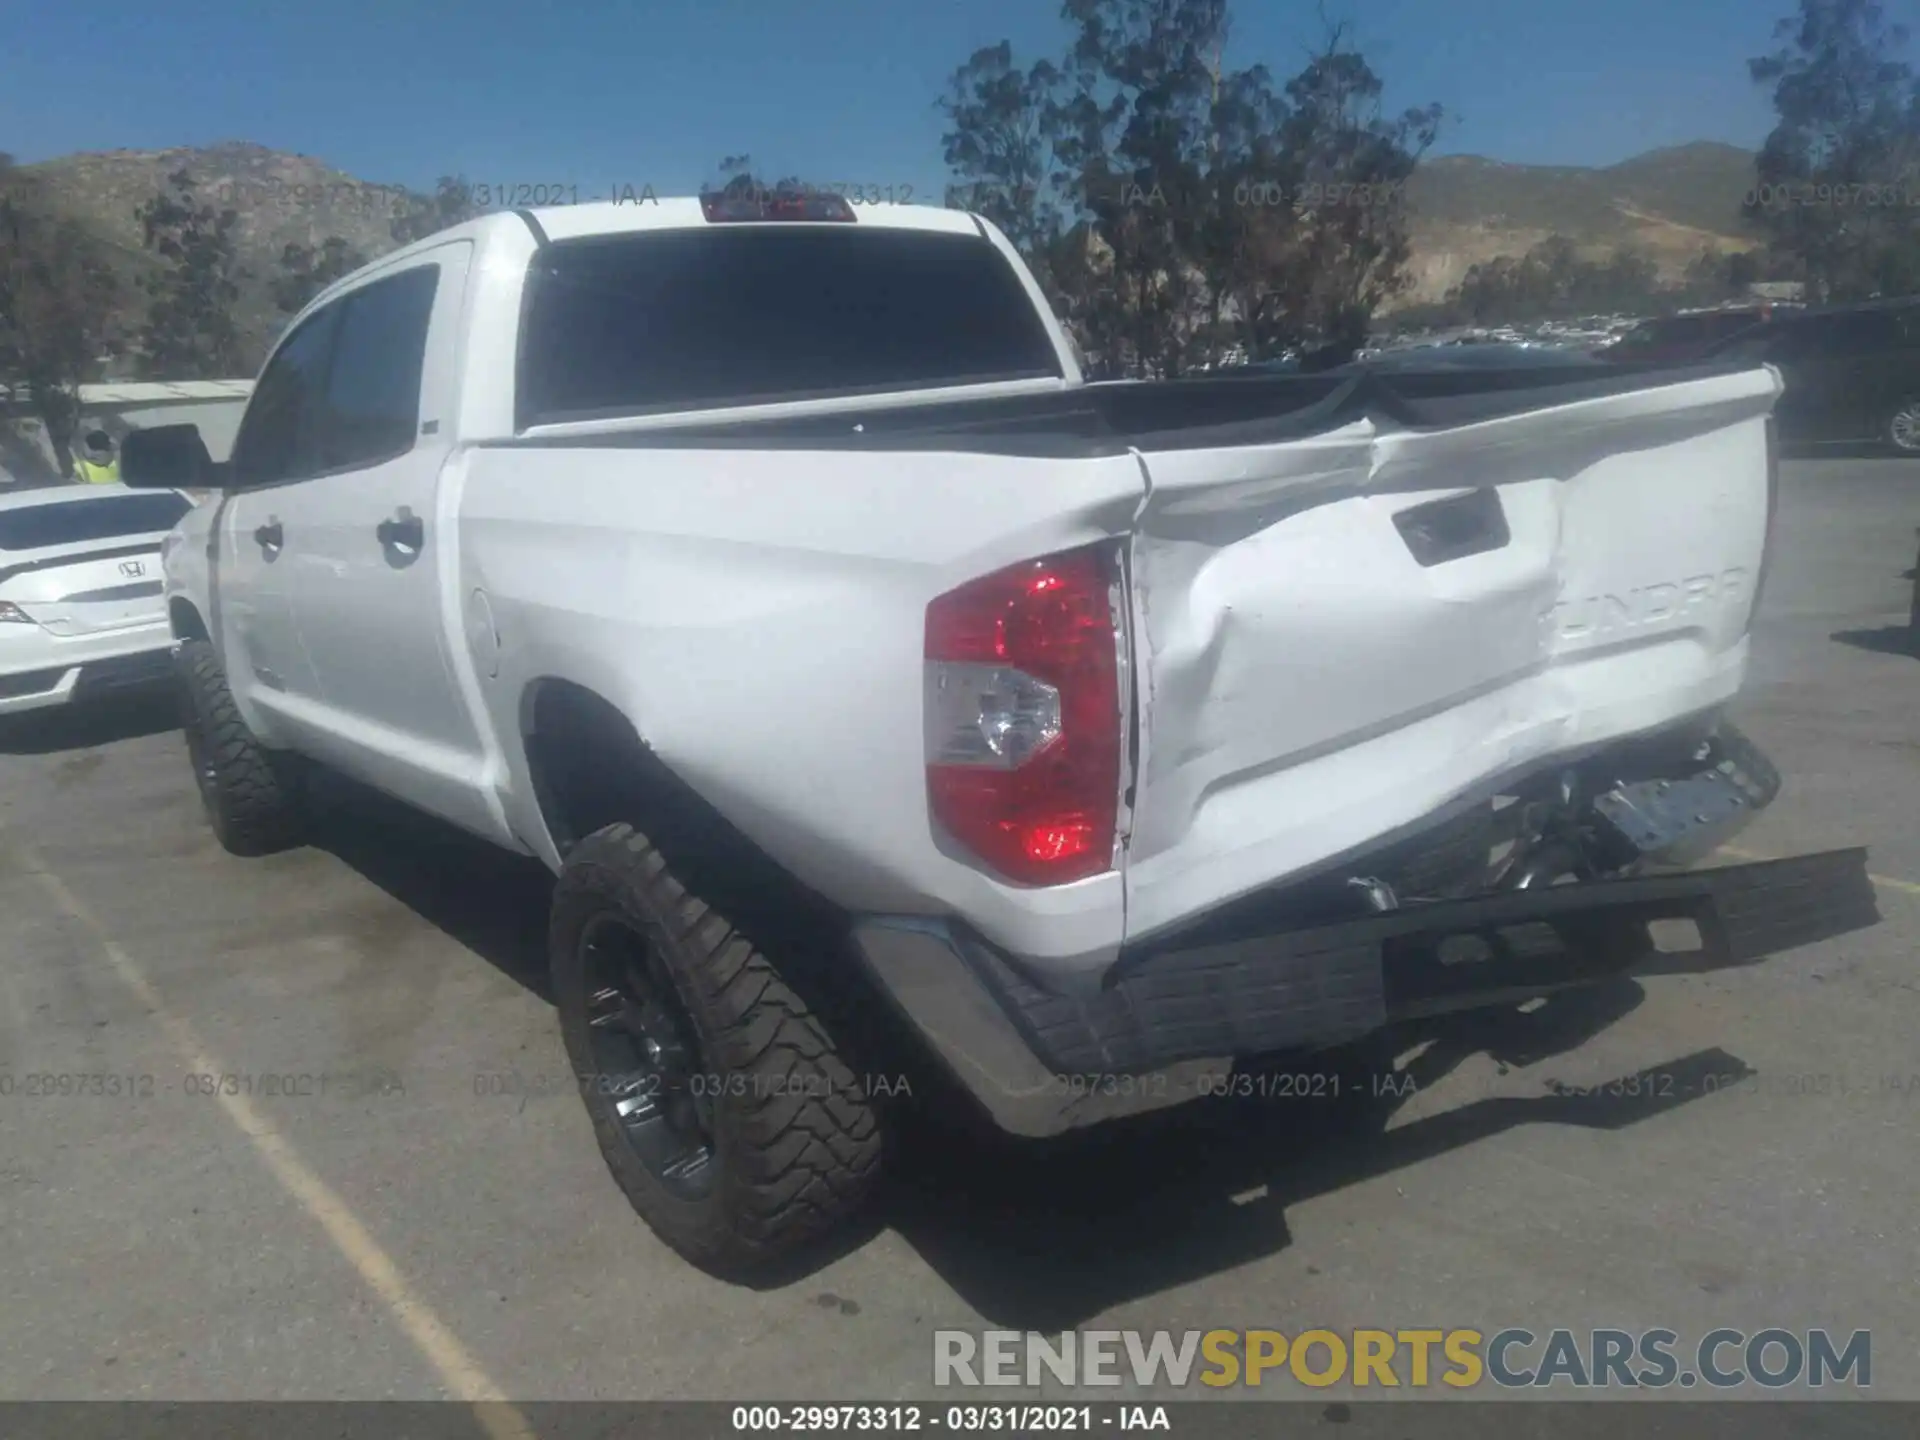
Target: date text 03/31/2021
x,y
961,1419
129,1085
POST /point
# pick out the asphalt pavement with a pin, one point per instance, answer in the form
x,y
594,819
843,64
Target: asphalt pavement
x,y
396,1203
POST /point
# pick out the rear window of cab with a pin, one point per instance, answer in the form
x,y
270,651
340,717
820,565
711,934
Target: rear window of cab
x,y
717,316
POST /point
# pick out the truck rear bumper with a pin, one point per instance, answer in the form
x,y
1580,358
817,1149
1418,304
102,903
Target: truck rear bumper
x,y
1169,1022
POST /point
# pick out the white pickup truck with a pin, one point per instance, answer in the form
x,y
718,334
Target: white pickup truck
x,y
768,570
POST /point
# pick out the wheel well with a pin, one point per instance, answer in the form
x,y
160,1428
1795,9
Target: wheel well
x,y
590,769
562,725
186,621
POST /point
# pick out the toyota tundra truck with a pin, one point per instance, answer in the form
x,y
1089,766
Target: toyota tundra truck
x,y
868,678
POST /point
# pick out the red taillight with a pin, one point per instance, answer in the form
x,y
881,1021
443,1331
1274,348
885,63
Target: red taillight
x,y
1023,718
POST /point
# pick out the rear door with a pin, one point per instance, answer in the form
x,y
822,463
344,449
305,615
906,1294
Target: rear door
x,y
1818,366
258,519
373,556
1862,377
1303,611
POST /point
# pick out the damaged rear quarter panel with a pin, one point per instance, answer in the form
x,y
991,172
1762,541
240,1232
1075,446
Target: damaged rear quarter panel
x,y
759,616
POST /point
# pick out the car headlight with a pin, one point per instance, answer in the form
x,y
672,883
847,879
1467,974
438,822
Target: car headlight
x,y
12,614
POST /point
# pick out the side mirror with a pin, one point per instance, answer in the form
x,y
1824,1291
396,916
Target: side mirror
x,y
167,457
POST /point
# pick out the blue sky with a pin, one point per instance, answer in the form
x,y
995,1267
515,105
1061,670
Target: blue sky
x,y
600,95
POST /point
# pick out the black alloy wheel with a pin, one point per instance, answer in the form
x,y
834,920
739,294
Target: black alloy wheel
x,y
646,1056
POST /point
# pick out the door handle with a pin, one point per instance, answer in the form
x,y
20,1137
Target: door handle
x,y
404,529
270,536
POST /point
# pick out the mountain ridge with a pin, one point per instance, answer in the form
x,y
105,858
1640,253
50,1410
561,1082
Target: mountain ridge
x,y
1670,202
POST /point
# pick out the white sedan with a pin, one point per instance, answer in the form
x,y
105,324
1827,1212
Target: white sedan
x,y
82,613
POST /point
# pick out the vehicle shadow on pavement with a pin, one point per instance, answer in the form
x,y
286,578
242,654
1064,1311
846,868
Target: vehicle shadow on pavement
x,y
490,900
1886,640
87,725
1047,1235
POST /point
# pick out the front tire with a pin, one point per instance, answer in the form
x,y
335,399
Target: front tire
x,y
722,1105
1901,431
252,795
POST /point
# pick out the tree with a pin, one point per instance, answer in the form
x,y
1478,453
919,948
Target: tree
x,y
999,145
742,184
305,271
450,204
1353,163
1250,239
58,301
1841,168
1554,281
1135,135
739,172
190,333
1163,202
1714,277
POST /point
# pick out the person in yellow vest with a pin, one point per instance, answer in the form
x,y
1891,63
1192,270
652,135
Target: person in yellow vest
x,y
96,464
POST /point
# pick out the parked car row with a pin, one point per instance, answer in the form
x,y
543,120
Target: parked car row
x,y
1684,337
1852,372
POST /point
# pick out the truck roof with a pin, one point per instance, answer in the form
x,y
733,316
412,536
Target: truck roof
x,y
610,217
627,217
678,212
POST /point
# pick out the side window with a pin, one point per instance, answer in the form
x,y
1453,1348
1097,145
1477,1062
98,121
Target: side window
x,y
1730,322
1862,332
1753,345
371,409
276,437
1797,340
1685,330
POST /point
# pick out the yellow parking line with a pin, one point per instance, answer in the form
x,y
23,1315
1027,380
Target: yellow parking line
x,y
461,1373
1906,886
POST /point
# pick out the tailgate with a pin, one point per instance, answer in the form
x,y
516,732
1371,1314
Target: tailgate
x,y
1337,636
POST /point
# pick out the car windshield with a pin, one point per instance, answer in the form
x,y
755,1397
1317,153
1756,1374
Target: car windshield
x,y
74,522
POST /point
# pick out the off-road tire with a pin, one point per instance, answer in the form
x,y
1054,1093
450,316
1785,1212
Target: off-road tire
x,y
796,1142
253,795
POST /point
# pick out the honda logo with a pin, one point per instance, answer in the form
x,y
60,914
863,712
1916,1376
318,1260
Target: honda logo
x,y
133,567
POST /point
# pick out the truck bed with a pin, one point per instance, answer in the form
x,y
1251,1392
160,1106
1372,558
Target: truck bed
x,y
1353,600
1111,417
